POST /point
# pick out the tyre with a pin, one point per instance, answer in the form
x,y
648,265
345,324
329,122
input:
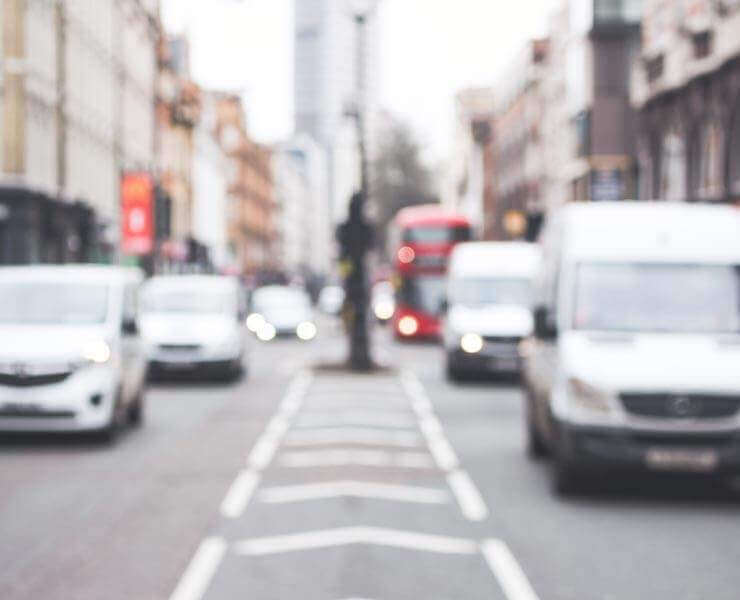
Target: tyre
x,y
452,372
536,446
136,410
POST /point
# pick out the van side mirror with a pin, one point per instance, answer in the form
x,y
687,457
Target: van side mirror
x,y
444,306
129,326
545,327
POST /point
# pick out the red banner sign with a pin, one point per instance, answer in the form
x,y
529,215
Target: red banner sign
x,y
137,214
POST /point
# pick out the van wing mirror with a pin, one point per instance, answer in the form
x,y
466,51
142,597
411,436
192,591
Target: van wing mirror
x,y
444,306
545,327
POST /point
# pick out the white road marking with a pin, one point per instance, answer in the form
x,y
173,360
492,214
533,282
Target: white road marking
x,y
239,494
357,489
468,496
352,435
393,419
263,451
443,453
355,535
355,457
197,577
507,571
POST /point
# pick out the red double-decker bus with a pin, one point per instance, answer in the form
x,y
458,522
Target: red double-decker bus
x,y
421,240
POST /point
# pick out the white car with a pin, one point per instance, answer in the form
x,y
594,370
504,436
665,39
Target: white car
x,y
193,324
488,306
279,310
634,361
70,355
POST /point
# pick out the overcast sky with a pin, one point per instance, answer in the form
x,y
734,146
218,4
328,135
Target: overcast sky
x,y
430,49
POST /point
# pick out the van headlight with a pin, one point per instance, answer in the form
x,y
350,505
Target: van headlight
x,y
589,396
254,322
96,351
306,331
472,343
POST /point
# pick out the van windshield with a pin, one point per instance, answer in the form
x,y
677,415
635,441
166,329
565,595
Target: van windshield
x,y
490,291
658,297
30,303
189,300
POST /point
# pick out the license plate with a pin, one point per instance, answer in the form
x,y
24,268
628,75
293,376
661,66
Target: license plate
x,y
696,461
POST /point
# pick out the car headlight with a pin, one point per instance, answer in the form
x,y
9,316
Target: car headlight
x,y
472,343
589,396
228,346
254,322
306,331
96,351
408,325
383,309
267,332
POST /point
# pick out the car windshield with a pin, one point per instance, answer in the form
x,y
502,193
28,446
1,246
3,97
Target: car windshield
x,y
28,303
189,300
280,299
658,297
489,291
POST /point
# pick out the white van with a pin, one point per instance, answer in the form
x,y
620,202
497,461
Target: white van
x,y
194,324
635,361
488,306
70,356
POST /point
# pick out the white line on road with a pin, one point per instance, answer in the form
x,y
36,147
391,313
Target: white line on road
x,y
471,502
395,419
356,457
197,577
357,489
263,451
507,571
239,494
355,535
352,435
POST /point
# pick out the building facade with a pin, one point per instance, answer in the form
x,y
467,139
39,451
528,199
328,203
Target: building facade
x,y
521,173
328,52
252,208
299,167
686,85
77,96
470,186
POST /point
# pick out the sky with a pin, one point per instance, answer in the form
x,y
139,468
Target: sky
x,y
430,49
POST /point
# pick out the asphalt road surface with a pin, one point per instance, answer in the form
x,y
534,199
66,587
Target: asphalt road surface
x,y
304,483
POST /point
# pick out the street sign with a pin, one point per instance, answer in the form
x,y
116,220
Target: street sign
x,y
137,214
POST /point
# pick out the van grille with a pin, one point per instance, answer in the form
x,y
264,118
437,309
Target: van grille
x,y
681,406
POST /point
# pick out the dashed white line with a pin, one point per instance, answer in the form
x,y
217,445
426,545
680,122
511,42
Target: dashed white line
x,y
471,502
355,535
356,435
507,571
356,457
197,577
263,451
357,489
239,494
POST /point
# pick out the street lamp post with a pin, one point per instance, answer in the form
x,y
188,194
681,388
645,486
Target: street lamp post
x,y
356,235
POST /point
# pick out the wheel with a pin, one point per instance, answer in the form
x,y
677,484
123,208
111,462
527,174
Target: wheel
x,y
136,410
536,446
452,372
567,478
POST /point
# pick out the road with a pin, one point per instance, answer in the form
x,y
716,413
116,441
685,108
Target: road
x,y
312,484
